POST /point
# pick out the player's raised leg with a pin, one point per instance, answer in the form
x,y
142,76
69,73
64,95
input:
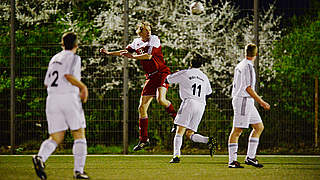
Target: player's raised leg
x,y
233,148
46,149
79,151
162,100
210,141
253,145
143,122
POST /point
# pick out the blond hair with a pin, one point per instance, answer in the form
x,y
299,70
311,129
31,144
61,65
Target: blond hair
x,y
251,50
142,25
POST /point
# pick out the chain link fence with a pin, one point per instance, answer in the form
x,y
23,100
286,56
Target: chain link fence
x,y
283,128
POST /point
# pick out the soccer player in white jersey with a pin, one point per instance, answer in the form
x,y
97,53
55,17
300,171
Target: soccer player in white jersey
x,y
63,107
194,89
245,113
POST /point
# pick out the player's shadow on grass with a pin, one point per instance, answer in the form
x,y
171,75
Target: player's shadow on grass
x,y
291,163
306,168
202,162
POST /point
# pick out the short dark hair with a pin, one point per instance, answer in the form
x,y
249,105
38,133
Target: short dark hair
x,y
197,60
251,50
69,40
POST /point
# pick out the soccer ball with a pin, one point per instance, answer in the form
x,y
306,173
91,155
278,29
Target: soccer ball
x,y
196,8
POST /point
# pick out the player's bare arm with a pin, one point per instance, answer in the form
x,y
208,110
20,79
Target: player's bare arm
x,y
112,53
256,97
83,88
144,56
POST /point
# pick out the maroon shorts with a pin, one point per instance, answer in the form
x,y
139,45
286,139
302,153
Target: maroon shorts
x,y
153,83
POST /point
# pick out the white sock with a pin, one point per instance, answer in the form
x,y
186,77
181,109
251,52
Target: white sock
x,y
177,143
46,149
252,147
233,150
199,138
79,151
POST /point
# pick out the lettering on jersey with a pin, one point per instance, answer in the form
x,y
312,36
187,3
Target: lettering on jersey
x,y
57,62
195,77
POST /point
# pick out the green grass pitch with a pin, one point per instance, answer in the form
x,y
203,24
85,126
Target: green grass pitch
x,y
157,167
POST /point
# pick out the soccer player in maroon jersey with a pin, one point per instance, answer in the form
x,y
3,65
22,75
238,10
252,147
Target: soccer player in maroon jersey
x,y
147,49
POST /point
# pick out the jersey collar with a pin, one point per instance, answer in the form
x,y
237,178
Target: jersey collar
x,y
249,61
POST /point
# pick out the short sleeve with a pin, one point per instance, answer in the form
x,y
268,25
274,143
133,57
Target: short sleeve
x,y
72,67
247,76
131,47
46,79
209,89
176,77
154,46
155,42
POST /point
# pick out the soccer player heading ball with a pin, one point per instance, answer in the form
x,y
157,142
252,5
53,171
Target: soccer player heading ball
x,y
147,49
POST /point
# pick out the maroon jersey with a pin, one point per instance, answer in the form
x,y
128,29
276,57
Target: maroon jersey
x,y
153,47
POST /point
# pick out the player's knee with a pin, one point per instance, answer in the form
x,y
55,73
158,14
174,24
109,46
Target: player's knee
x,y
78,134
163,101
189,133
58,137
236,132
142,109
58,140
260,128
159,99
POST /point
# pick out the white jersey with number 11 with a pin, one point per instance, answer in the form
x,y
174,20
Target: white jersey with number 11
x,y
193,84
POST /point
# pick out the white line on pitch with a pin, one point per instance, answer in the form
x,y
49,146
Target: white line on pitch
x,y
132,155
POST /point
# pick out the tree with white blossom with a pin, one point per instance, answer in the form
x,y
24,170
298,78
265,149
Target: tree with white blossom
x,y
219,35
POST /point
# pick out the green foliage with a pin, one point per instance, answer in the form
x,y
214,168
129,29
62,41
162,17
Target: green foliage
x,y
297,66
299,49
40,25
102,149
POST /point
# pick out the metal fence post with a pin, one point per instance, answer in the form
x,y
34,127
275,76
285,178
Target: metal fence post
x,y
125,80
256,41
316,105
12,76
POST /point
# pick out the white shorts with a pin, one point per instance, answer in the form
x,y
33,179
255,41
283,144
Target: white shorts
x,y
64,111
245,112
190,114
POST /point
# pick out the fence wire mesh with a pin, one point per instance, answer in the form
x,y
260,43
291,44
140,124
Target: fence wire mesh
x,y
104,118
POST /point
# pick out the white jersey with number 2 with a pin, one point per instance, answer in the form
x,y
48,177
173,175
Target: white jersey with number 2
x,y
193,84
63,106
65,62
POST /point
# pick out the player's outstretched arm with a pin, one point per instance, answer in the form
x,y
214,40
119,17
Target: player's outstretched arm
x,y
256,97
144,56
112,53
83,88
